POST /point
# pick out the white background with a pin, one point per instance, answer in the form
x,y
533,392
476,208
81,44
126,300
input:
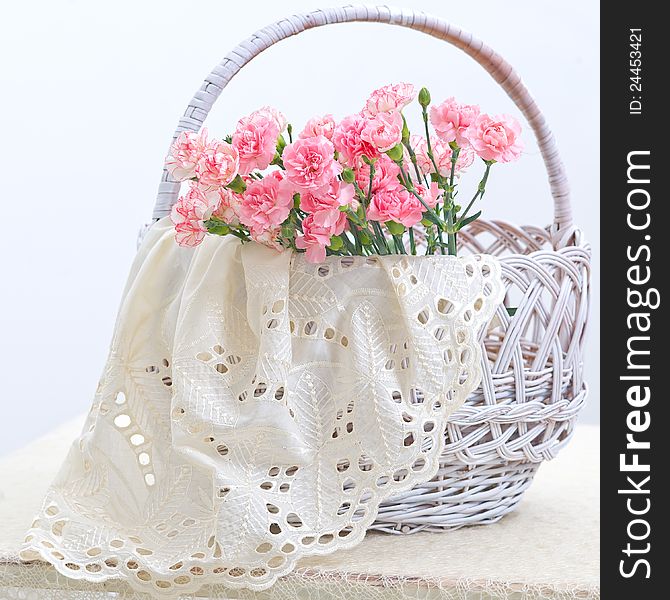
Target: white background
x,y
90,93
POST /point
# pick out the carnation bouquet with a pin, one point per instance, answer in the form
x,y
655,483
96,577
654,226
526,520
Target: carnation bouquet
x,y
364,185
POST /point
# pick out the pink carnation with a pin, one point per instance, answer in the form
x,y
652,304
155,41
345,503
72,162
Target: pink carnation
x,y
442,154
383,131
496,138
451,119
275,115
185,153
385,175
325,205
324,126
314,238
349,143
310,164
218,164
393,97
395,204
255,140
266,203
430,195
189,214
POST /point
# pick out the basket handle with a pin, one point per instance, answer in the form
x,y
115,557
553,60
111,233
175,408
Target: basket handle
x,y
499,69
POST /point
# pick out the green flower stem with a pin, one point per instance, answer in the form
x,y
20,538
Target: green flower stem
x,y
350,246
424,114
411,189
412,243
449,203
412,157
378,239
481,188
451,235
383,242
399,245
357,238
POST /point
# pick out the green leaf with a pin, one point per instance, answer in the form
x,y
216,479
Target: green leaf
x,y
217,227
237,185
511,311
433,219
336,243
469,220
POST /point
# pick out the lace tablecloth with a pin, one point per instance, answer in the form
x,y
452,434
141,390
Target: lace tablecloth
x,y
548,548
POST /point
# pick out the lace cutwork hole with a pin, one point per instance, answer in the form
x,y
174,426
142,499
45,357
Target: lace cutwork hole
x,y
122,421
222,449
444,306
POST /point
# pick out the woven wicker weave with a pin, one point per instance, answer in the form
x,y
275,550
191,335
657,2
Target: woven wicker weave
x,y
532,388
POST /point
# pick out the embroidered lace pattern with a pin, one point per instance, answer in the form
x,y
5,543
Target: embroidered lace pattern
x,y
256,408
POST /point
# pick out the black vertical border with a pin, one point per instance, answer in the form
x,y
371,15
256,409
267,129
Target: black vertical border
x,y
622,133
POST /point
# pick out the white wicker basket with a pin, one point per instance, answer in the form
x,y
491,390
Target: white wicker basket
x,y
532,388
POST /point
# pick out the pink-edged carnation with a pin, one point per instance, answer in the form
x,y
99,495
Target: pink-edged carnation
x,y
218,164
229,206
189,214
349,143
185,153
266,203
325,205
315,238
383,131
324,126
268,237
451,120
442,153
392,97
395,204
496,138
255,140
310,163
385,175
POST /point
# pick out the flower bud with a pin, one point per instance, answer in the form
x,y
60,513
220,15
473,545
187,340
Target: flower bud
x,y
395,153
348,175
395,228
336,243
405,131
281,144
365,238
424,97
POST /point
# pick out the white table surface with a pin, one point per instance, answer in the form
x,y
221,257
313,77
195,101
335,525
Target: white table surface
x,y
547,548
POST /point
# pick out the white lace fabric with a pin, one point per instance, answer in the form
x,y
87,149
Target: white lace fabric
x,y
256,409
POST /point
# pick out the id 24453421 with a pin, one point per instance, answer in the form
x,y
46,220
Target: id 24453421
x,y
635,71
